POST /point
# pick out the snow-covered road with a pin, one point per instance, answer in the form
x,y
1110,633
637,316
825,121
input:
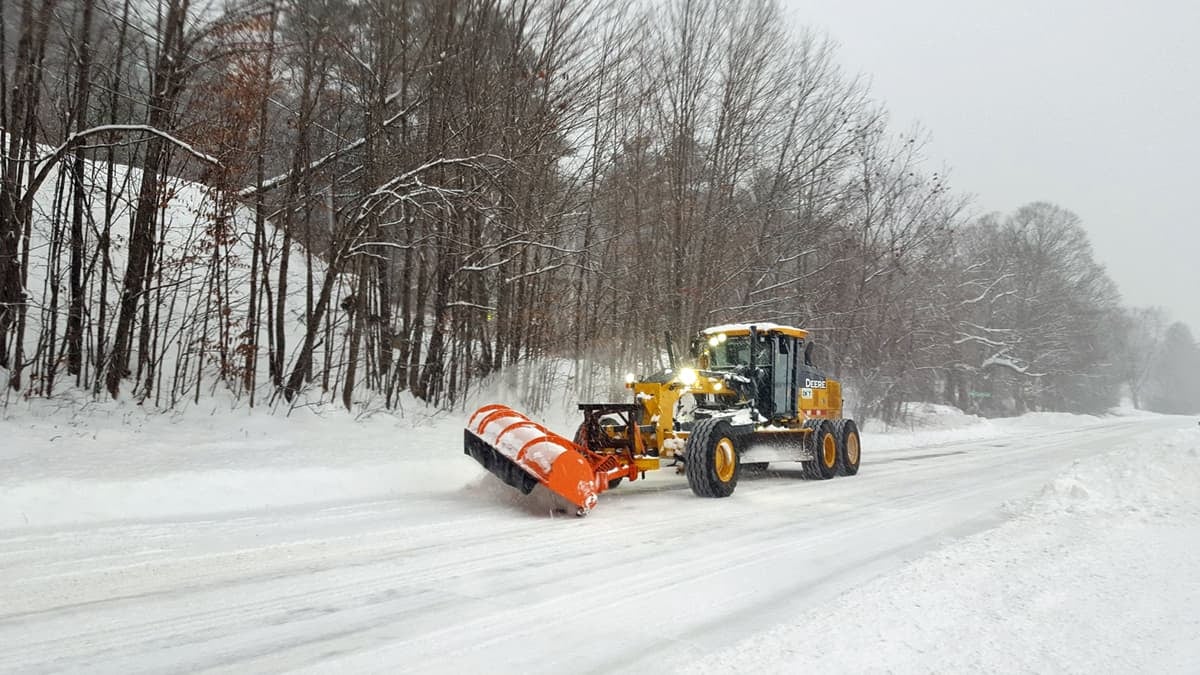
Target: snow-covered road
x,y
468,579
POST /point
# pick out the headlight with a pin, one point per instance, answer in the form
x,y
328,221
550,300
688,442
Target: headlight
x,y
687,376
630,378
722,337
713,341
717,386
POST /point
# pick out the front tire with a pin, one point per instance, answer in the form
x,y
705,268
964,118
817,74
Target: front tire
x,y
711,459
593,446
580,432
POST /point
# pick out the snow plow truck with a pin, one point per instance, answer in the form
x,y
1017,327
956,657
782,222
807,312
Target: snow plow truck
x,y
749,395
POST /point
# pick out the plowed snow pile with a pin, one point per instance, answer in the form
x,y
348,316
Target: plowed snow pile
x,y
1096,573
69,463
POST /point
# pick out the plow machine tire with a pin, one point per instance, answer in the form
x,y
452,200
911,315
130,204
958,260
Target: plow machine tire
x,y
823,444
578,440
849,446
711,459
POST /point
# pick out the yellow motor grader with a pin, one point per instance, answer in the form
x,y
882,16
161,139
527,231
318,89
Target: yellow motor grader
x,y
750,395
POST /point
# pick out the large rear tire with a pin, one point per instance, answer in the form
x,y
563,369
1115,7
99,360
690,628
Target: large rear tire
x,y
823,444
849,446
711,459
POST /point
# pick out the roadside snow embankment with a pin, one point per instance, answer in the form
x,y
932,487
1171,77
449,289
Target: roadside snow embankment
x,y
66,463
1096,573
79,461
928,425
72,461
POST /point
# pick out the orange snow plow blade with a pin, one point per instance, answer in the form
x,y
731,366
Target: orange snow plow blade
x,y
523,453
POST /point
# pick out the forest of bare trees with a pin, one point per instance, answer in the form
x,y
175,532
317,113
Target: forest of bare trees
x,y
363,200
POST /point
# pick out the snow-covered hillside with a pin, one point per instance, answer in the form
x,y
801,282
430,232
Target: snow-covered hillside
x,y
201,291
139,542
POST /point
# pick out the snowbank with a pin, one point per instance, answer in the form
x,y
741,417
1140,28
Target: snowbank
x,y
931,424
1095,573
75,460
926,424
66,463
1158,480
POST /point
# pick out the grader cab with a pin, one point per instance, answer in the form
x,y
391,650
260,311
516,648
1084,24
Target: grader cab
x,y
750,395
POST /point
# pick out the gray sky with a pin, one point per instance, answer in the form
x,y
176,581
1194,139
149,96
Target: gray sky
x,y
1092,105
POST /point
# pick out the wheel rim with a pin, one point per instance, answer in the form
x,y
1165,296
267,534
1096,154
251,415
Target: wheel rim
x,y
829,449
852,447
724,460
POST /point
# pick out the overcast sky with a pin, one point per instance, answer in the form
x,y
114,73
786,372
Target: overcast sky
x,y
1093,105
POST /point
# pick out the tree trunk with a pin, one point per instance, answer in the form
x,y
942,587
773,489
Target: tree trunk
x,y
166,87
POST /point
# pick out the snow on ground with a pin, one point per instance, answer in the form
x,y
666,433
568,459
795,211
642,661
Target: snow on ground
x,y
1095,573
221,539
106,460
930,424
77,461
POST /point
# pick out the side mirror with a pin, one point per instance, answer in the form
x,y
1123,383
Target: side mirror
x,y
808,347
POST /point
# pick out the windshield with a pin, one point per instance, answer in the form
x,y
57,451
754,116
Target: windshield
x,y
734,351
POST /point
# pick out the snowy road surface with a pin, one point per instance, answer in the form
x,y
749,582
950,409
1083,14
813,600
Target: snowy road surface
x,y
898,568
